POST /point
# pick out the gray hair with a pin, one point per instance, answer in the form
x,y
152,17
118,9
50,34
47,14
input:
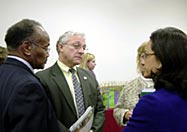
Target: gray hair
x,y
63,39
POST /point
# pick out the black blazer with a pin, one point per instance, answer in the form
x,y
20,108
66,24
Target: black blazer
x,y
24,105
58,90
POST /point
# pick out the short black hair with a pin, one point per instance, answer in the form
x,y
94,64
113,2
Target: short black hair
x,y
19,32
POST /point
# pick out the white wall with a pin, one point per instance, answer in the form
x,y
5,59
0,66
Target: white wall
x,y
114,28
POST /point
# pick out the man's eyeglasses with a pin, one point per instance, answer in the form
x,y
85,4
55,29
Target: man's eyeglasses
x,y
47,49
145,55
78,46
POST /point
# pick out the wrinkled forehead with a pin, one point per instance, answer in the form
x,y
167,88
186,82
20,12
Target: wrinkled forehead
x,y
77,39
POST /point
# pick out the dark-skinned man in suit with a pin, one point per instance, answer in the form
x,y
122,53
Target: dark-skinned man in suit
x,y
24,104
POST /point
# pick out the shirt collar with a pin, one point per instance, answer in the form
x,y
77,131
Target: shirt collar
x,y
147,81
65,68
23,61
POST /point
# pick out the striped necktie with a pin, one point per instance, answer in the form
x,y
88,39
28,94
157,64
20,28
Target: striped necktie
x,y
78,93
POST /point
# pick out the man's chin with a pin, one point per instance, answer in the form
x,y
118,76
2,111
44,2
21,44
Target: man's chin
x,y
77,62
40,66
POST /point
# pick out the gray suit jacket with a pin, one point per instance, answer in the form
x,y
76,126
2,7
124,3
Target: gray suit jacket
x,y
58,90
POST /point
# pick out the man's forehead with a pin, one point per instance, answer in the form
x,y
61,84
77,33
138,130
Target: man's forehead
x,y
77,38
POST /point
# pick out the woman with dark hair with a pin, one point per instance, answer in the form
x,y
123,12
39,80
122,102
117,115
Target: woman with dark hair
x,y
165,61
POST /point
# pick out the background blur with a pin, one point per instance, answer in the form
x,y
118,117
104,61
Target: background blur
x,y
114,28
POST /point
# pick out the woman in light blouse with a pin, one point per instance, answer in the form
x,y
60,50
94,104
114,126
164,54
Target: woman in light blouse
x,y
129,95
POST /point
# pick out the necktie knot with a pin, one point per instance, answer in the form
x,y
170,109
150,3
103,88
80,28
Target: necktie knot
x,y
72,70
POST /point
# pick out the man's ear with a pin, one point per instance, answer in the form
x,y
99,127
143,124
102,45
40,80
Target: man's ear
x,y
26,48
60,47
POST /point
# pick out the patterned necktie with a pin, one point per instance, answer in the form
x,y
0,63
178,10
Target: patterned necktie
x,y
78,93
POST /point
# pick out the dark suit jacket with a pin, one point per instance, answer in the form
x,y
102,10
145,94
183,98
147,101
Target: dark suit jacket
x,y
24,105
56,85
161,111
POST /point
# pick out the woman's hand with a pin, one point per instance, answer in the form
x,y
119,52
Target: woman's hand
x,y
128,115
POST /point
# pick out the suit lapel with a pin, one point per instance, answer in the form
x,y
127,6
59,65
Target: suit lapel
x,y
63,86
